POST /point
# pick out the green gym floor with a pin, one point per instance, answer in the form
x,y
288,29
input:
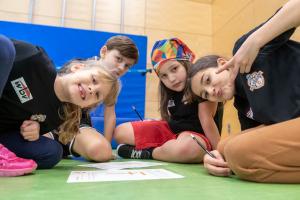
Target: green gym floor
x,y
197,184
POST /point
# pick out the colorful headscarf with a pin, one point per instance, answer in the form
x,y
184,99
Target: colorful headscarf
x,y
170,49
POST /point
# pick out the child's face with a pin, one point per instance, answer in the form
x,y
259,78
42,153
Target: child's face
x,y
85,88
211,86
173,75
115,62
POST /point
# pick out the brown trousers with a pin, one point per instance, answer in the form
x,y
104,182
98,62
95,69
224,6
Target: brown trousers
x,y
265,154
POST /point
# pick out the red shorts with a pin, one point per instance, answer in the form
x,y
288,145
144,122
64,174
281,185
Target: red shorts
x,y
155,133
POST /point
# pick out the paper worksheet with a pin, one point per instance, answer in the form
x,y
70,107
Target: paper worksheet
x,y
121,175
122,165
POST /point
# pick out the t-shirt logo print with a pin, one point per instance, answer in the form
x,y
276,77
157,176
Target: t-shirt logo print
x,y
250,113
255,80
38,117
171,103
22,90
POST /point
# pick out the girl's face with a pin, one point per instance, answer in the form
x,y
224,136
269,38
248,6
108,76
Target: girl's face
x,y
173,75
115,62
84,87
211,86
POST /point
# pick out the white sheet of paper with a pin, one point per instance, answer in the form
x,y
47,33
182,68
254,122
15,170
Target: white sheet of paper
x,y
122,165
121,175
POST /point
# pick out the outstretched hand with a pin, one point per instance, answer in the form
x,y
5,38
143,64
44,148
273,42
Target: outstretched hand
x,y
216,166
30,130
243,59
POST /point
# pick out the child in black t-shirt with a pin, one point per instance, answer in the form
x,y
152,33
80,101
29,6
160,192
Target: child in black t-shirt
x,y
36,100
267,97
117,55
11,165
170,139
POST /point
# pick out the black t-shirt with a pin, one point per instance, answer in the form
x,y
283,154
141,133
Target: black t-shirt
x,y
270,92
29,91
86,120
183,116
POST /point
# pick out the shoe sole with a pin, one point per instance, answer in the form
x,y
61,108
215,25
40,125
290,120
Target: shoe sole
x,y
20,172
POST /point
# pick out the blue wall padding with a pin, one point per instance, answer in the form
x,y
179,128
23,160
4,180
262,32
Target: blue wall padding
x,y
63,44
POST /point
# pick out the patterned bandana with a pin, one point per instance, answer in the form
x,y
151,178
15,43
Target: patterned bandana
x,y
170,49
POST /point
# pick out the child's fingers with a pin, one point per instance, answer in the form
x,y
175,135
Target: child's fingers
x,y
226,66
218,171
218,161
31,128
216,166
234,72
26,134
30,136
29,125
26,123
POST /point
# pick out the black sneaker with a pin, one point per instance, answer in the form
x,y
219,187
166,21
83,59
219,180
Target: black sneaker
x,y
129,151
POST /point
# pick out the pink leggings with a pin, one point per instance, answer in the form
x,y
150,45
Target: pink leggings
x,y
265,154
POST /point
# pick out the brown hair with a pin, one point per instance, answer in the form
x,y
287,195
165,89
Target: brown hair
x,y
202,63
166,93
124,45
70,113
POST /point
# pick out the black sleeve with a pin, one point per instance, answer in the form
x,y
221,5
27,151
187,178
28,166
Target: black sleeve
x,y
24,50
270,46
28,54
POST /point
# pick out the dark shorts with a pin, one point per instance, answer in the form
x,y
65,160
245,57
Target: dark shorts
x,y
67,148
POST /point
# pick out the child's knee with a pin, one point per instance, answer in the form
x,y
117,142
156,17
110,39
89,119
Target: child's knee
x,y
51,156
100,151
240,159
121,132
186,150
9,50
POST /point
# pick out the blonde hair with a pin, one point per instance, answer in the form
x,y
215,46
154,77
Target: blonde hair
x,y
70,113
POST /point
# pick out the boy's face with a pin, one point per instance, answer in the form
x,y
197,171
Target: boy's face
x,y
85,88
115,62
211,86
173,75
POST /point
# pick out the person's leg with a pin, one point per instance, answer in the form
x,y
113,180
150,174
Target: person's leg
x,y
92,145
149,135
224,141
44,151
124,134
267,154
138,139
181,150
7,56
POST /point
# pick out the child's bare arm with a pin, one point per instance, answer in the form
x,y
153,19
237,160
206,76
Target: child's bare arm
x,y
109,122
206,113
